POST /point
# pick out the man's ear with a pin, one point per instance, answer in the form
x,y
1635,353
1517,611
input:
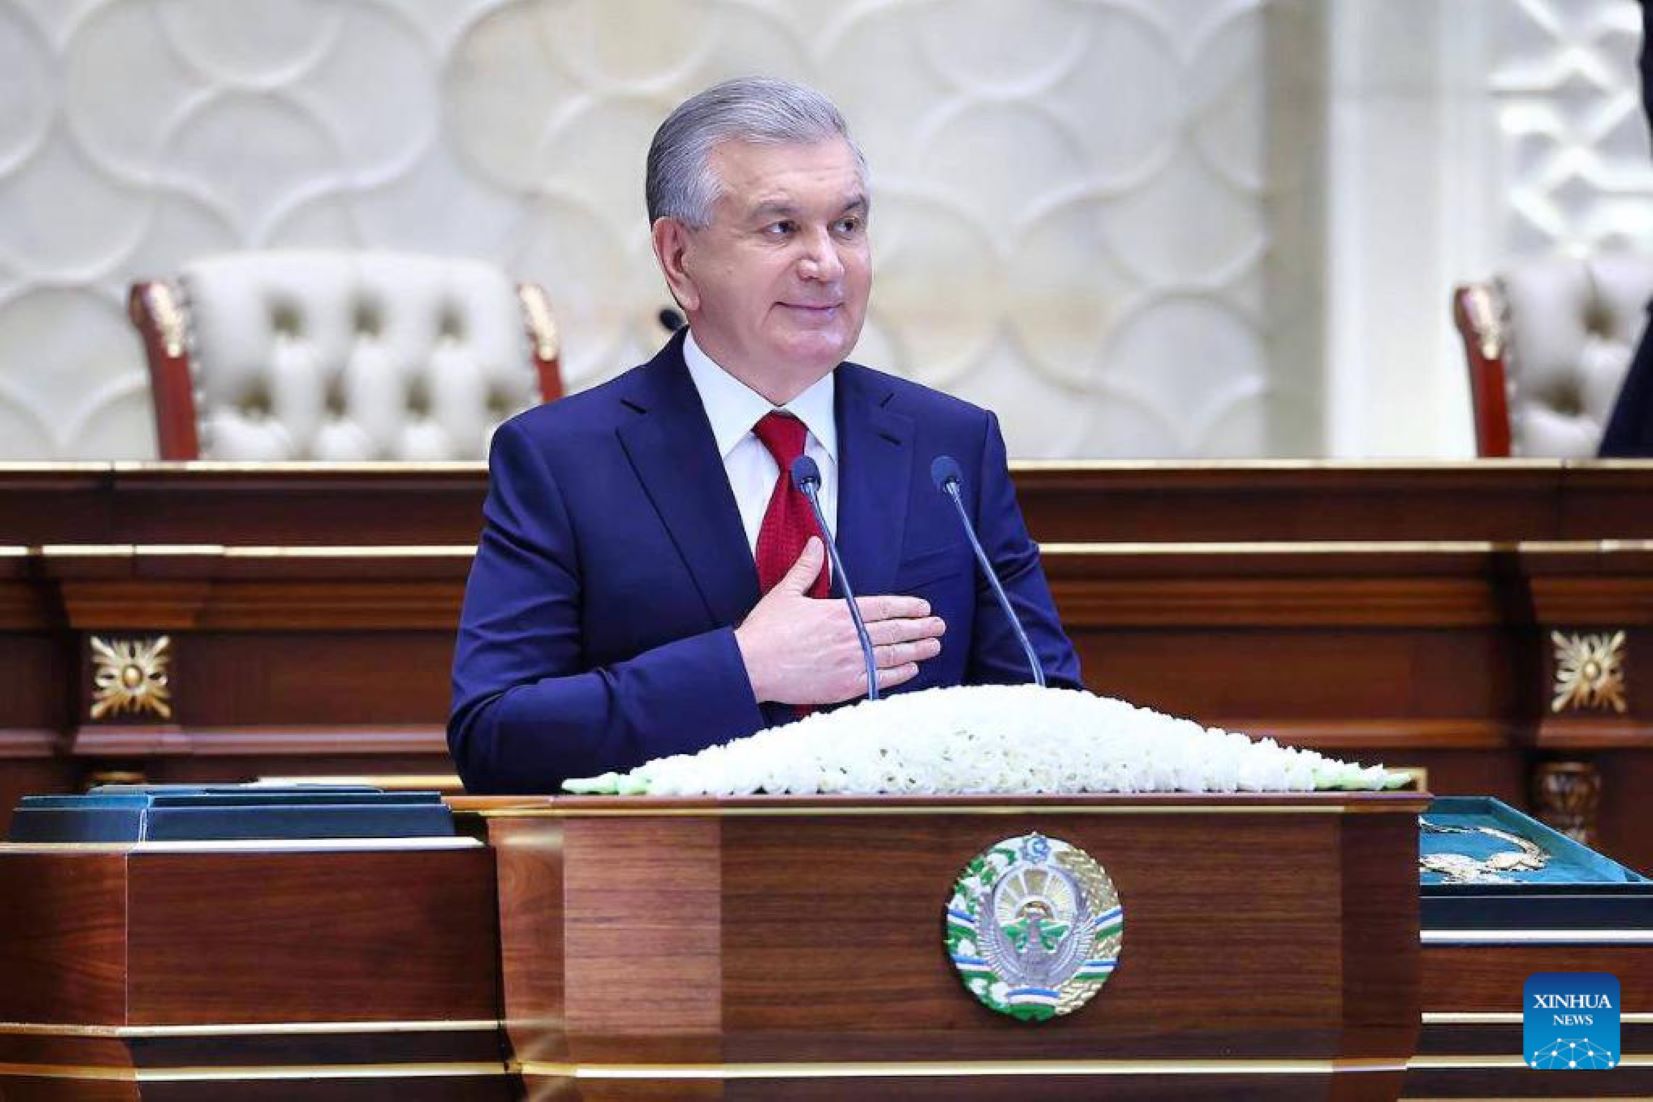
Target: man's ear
x,y
671,246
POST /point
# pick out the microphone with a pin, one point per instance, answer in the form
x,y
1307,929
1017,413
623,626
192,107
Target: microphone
x,y
945,473
806,477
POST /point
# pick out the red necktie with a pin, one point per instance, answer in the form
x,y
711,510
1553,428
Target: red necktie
x,y
788,522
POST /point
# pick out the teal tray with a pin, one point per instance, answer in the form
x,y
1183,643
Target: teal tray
x,y
1577,889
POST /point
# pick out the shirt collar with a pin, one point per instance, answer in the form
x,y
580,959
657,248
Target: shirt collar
x,y
733,408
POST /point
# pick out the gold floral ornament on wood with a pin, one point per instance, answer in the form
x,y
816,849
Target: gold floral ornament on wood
x,y
1589,671
129,676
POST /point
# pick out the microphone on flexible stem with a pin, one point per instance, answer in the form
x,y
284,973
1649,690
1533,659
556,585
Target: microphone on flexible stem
x,y
945,473
806,476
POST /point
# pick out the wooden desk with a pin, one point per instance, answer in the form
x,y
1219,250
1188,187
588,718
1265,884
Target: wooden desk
x,y
191,971
1383,611
1471,1041
1097,501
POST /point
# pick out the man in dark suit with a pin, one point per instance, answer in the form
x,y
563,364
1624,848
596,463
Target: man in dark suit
x,y
648,581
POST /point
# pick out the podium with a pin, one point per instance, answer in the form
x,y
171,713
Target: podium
x,y
793,948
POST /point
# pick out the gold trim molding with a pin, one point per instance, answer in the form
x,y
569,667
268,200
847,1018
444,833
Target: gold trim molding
x,y
1536,937
1401,466
1054,549
917,1069
115,1074
253,551
866,811
1487,1063
249,845
1506,1017
248,1029
1221,549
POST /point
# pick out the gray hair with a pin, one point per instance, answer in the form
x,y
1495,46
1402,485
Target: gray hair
x,y
680,183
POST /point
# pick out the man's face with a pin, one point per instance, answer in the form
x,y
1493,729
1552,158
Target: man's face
x,y
776,286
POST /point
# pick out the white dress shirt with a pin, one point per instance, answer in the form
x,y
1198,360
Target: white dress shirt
x,y
733,408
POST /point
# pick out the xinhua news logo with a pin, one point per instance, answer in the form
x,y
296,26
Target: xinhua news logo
x,y
1571,1021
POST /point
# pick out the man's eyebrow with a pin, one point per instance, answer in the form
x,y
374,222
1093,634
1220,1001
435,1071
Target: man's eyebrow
x,y
785,208
769,208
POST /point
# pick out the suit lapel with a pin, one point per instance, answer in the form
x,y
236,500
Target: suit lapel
x,y
874,479
671,447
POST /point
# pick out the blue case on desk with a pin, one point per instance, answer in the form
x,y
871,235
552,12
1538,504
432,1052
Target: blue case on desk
x,y
1578,889
176,813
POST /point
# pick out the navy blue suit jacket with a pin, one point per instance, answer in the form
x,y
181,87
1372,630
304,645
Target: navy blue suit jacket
x,y
598,626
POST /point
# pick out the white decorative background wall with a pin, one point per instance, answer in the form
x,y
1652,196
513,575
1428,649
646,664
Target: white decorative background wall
x,y
1463,135
1574,136
1070,220
1162,228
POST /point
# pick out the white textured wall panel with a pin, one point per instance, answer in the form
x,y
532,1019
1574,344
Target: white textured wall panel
x,y
1078,212
1575,165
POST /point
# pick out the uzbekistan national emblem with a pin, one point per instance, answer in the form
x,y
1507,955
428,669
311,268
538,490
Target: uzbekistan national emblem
x,y
1034,927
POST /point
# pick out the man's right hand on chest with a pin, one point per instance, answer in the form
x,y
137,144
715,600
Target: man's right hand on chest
x,y
800,650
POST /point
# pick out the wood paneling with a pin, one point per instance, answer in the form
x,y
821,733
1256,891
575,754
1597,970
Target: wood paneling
x,y
37,675
1380,986
532,955
1154,502
63,938
1489,979
249,971
810,935
311,937
23,773
873,895
643,911
156,503
1515,1082
1469,978
320,679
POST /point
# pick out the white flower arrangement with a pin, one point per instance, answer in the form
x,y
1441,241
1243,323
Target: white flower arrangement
x,y
989,739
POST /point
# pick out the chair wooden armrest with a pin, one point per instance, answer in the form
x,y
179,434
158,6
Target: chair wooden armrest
x,y
1478,314
157,311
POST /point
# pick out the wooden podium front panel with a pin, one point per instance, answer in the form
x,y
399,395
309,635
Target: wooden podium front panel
x,y
644,899
63,937
850,911
756,944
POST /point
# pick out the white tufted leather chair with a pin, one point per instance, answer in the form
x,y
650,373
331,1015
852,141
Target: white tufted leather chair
x,y
1548,344
341,356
